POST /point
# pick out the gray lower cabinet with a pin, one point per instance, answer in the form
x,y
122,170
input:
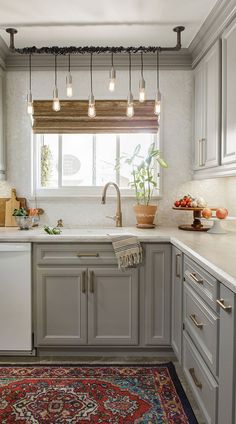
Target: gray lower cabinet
x,y
112,307
177,290
60,306
86,306
157,293
227,356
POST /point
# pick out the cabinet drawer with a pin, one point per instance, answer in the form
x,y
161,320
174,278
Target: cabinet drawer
x,y
74,254
201,324
202,383
203,282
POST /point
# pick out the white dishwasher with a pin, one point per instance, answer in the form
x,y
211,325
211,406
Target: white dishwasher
x,y
15,297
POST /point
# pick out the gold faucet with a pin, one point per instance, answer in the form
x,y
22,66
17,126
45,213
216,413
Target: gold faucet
x,y
118,216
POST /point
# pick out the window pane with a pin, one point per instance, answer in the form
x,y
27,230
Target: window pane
x,y
105,158
48,160
128,142
77,160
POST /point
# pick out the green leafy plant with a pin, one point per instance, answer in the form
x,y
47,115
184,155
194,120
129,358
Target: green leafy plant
x,y
143,176
20,212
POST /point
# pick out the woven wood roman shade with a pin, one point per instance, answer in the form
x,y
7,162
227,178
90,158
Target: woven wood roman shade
x,y
111,117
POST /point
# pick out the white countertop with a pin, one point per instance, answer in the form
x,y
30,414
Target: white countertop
x,y
217,253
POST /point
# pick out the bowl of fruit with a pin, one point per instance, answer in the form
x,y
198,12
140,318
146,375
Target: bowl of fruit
x,y
196,205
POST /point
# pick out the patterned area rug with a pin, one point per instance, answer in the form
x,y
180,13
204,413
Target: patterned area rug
x,y
93,394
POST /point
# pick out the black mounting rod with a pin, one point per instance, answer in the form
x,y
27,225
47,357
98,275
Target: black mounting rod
x,y
83,50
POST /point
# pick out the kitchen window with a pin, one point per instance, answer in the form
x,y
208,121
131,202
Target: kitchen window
x,y
80,164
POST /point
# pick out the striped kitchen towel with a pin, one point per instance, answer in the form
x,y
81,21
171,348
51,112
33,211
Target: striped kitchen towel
x,y
128,250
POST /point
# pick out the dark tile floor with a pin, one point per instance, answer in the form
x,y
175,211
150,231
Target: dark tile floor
x,y
109,360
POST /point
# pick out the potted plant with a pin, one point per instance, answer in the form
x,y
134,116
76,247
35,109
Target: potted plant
x,y
144,183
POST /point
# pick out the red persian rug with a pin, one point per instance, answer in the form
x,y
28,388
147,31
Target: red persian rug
x,y
93,394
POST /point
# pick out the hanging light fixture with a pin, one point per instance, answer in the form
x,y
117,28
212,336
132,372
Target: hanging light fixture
x,y
142,94
130,100
91,106
69,89
56,102
157,107
112,75
30,106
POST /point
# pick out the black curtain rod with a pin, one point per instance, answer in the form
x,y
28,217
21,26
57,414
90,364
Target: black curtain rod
x,y
55,50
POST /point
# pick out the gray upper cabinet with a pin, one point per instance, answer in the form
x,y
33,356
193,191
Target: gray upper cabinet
x,y
60,306
157,281
207,110
112,306
2,147
229,95
177,289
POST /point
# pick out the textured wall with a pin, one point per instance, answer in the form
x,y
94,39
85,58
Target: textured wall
x,y
176,87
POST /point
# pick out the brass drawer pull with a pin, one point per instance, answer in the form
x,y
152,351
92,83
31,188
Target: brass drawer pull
x,y
195,321
84,282
221,302
195,380
88,255
91,281
194,277
177,268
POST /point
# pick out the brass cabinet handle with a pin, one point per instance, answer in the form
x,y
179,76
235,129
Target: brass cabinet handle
x,y
195,380
221,302
177,271
195,321
88,255
91,281
84,282
194,277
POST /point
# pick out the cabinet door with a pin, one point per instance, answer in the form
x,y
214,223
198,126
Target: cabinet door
x,y
2,150
227,352
229,95
61,307
207,111
198,115
157,294
211,138
177,289
112,306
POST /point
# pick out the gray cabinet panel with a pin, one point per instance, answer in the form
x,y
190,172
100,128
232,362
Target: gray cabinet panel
x,y
157,294
61,307
227,353
177,289
113,307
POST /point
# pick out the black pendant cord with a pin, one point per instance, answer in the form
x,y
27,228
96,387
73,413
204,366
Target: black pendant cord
x,y
55,70
158,77
112,60
130,80
69,64
55,50
30,73
142,64
91,72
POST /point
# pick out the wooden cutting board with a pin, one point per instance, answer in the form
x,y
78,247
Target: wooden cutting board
x,y
11,204
3,201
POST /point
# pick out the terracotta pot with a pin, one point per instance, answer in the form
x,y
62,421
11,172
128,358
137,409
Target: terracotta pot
x,y
145,215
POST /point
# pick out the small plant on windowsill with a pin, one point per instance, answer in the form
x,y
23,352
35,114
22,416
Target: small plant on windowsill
x,y
144,183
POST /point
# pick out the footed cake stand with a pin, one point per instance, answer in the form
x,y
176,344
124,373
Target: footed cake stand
x,y
197,224
217,224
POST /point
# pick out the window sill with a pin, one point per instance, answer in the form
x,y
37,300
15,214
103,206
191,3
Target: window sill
x,y
84,193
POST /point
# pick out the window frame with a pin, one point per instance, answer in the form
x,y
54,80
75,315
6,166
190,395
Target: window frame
x,y
80,191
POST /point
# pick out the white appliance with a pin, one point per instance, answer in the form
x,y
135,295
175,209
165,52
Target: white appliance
x,y
15,297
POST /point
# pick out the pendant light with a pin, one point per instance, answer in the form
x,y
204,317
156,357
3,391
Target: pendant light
x,y
142,94
112,75
91,106
69,89
30,106
130,100
56,102
157,107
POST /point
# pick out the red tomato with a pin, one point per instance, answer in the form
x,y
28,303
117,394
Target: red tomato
x,y
177,203
183,203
